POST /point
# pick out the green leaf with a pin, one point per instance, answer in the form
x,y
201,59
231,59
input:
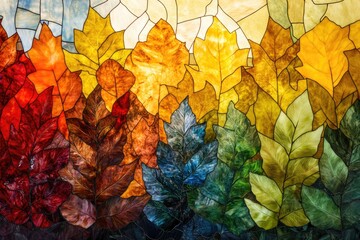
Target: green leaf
x,y
352,189
320,208
238,140
333,170
158,214
355,159
266,191
301,115
263,217
307,144
284,131
292,213
340,143
351,214
350,124
275,159
220,199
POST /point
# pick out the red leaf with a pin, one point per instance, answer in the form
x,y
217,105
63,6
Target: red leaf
x,y
11,115
120,109
41,108
118,212
79,212
11,81
8,51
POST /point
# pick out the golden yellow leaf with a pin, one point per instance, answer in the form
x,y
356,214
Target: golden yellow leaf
x,y
114,80
96,43
247,90
158,61
321,51
355,33
218,57
266,112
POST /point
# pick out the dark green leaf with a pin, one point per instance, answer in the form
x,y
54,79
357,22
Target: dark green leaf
x,y
320,208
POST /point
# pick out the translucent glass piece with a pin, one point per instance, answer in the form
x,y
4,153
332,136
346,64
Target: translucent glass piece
x,y
187,31
278,12
242,41
75,13
227,21
137,7
254,26
8,21
190,9
31,5
326,1
313,14
143,35
344,13
55,28
52,10
105,8
156,11
171,9
121,18
26,36
94,3
131,35
205,23
296,11
241,9
26,19
212,8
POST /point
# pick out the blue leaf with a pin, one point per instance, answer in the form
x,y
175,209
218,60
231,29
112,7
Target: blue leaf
x,y
158,214
181,121
194,139
201,164
170,163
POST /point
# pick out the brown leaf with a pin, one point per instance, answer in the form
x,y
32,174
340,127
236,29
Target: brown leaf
x,y
113,181
79,212
114,80
118,212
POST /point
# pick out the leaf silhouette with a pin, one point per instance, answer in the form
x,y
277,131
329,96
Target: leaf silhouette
x,y
31,188
221,198
289,161
185,161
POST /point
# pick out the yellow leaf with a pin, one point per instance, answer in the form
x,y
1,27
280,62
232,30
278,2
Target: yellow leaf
x,y
266,191
114,80
218,57
262,216
158,61
321,51
291,213
284,131
96,43
300,169
96,30
275,159
266,113
247,92
355,33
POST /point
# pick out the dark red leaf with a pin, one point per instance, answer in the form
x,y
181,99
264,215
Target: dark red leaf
x,y
11,81
120,109
41,108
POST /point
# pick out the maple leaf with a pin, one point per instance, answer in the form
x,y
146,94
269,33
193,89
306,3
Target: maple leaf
x,y
166,55
96,169
31,188
328,63
96,43
48,59
184,162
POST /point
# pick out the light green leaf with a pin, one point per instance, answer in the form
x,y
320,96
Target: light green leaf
x,y
333,170
300,113
320,208
292,213
266,191
300,169
275,159
262,216
307,144
284,131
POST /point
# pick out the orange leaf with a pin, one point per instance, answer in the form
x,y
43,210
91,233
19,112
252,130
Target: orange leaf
x,y
114,80
8,51
158,61
46,52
